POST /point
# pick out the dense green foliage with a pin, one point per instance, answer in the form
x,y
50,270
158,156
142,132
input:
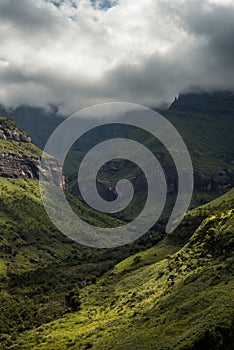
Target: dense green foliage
x,y
171,292
207,129
39,266
164,298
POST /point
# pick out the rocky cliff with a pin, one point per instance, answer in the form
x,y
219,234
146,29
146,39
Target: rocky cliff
x,y
19,158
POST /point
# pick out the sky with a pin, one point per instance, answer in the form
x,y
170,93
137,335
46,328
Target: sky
x,y
77,53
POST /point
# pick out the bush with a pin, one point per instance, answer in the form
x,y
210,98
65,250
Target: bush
x,y
73,299
137,259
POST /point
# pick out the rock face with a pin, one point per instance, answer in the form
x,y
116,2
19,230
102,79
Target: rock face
x,y
27,167
51,173
9,131
206,183
220,181
18,165
15,163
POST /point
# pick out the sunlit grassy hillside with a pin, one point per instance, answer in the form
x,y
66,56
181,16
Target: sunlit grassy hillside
x,y
38,264
182,300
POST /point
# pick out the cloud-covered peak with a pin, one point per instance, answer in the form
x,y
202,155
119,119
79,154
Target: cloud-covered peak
x,y
75,53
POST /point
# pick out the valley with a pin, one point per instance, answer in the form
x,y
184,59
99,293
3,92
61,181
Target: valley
x,y
161,292
167,297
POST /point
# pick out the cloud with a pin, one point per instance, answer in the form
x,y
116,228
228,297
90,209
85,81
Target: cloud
x,y
77,53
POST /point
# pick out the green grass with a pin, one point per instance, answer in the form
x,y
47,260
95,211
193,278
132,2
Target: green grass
x,y
38,264
148,257
16,147
3,269
182,300
207,135
176,295
208,138
27,232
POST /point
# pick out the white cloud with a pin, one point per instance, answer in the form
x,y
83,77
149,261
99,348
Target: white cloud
x,y
222,2
76,54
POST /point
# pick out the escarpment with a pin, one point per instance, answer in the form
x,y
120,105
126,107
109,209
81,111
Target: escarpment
x,y
20,158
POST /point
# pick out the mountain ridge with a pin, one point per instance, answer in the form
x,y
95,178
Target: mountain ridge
x,y
54,293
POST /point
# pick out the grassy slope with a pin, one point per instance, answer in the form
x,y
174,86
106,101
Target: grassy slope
x,y
26,230
209,139
208,136
181,301
39,265
206,124
16,147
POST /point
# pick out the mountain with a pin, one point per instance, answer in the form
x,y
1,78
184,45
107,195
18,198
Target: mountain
x,y
36,122
168,297
216,103
205,122
39,265
20,158
169,292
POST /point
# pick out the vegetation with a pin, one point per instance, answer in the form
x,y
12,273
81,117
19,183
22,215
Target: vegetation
x,y
39,266
164,292
207,131
16,147
167,297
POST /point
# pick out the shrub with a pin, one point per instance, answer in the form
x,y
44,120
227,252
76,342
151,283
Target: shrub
x,y
73,299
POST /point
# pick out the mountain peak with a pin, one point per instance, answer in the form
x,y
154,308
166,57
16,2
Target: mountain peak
x,y
218,103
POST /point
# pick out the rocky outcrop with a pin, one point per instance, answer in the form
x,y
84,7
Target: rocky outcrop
x,y
27,167
17,164
220,181
215,103
14,135
8,131
51,172
206,183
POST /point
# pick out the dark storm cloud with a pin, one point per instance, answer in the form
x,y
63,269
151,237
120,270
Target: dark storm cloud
x,y
208,64
215,23
25,16
76,55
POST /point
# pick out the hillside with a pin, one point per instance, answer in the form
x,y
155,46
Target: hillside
x,y
38,265
161,292
36,258
164,298
20,142
36,122
205,122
